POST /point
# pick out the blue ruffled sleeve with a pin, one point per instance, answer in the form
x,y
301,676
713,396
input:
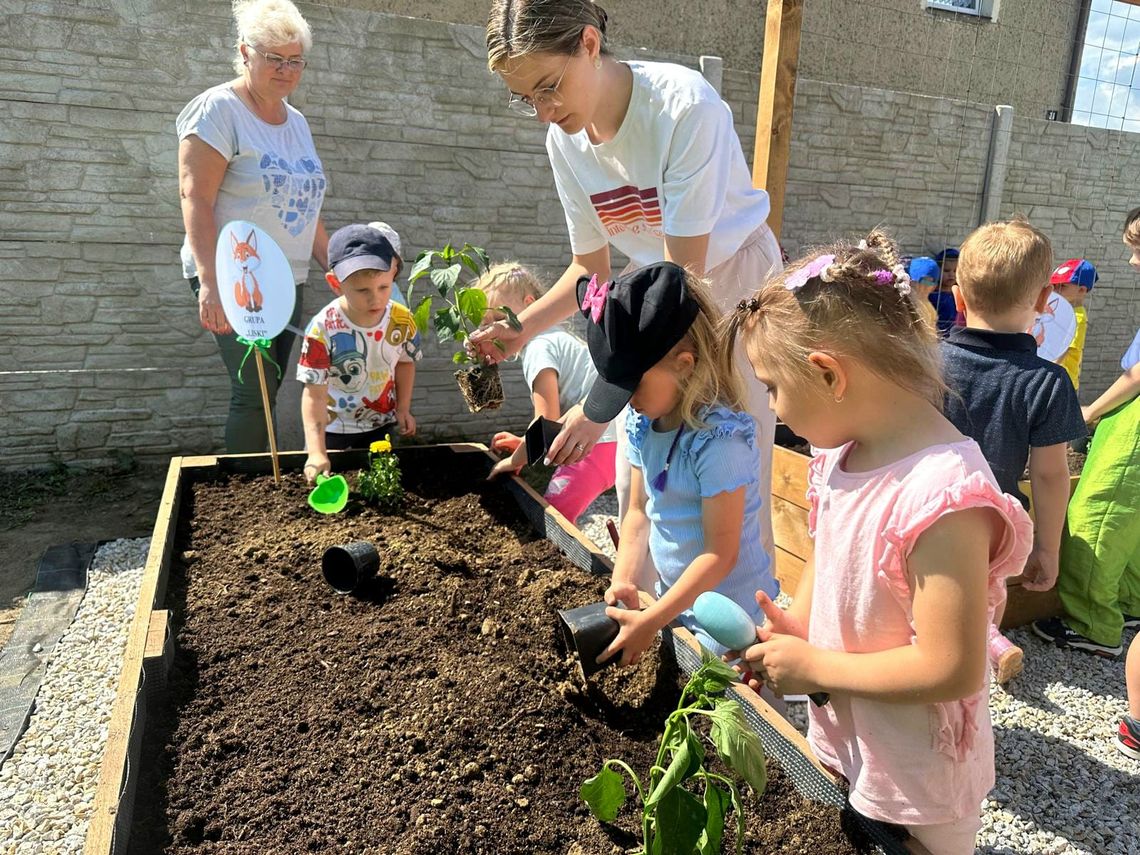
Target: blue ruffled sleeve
x,y
724,454
636,427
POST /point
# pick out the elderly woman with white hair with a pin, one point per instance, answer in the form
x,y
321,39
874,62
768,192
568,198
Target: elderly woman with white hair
x,y
245,153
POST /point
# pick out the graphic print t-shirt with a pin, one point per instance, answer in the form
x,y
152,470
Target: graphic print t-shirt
x,y
274,179
358,364
674,167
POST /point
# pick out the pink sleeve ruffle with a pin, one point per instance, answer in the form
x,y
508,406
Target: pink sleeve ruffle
x,y
974,491
816,474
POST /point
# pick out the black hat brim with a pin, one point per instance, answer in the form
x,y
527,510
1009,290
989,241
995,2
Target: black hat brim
x,y
608,397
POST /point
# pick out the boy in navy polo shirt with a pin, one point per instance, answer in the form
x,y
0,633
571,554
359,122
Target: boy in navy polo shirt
x,y
1014,404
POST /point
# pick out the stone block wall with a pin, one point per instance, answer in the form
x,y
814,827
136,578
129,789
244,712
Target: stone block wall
x,y
412,129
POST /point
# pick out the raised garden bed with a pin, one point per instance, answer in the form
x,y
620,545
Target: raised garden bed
x,y
793,546
435,712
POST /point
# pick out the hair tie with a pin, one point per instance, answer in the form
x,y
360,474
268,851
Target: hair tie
x,y
752,305
820,266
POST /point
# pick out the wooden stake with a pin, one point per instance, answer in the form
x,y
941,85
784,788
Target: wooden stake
x,y
268,417
777,98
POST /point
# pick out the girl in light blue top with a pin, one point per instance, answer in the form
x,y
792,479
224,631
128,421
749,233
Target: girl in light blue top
x,y
695,497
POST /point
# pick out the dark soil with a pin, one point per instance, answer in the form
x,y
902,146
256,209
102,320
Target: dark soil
x,y
435,713
481,387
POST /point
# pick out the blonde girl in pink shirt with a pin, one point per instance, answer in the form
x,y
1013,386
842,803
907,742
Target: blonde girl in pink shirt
x,y
913,541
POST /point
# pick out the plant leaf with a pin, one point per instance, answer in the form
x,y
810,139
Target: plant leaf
x,y
512,319
445,279
712,677
480,253
473,304
678,823
716,805
447,325
604,793
470,263
687,759
447,254
737,744
421,267
460,357
422,313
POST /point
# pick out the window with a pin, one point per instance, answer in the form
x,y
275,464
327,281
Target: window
x,y
978,8
1107,94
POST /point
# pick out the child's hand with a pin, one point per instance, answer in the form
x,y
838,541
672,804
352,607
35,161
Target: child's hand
x,y
506,466
1041,570
634,637
624,593
405,422
778,620
783,662
316,464
505,442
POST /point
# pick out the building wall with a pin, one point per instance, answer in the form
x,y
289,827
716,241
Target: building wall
x,y
413,130
1020,58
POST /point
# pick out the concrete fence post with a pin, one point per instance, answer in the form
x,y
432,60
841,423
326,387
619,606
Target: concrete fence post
x,y
997,163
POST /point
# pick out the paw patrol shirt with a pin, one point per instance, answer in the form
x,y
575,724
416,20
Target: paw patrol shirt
x,y
358,365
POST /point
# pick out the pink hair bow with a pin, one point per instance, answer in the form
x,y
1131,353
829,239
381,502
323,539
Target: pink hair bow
x,y
595,299
799,278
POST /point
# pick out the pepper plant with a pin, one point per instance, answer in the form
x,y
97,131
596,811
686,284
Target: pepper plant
x,y
689,820
463,304
380,483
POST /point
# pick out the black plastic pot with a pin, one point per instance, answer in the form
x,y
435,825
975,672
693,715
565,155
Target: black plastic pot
x,y
588,631
348,566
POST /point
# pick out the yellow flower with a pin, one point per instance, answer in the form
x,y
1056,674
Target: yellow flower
x,y
381,445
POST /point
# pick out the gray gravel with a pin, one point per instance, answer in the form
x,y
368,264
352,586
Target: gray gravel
x,y
47,786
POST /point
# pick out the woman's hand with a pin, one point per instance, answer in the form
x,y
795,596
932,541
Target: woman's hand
x,y
210,312
577,438
495,342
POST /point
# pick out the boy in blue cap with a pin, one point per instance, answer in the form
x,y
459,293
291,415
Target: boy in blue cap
x,y
943,298
924,278
357,360
1073,280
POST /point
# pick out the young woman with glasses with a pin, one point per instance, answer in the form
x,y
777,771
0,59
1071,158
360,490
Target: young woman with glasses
x,y
646,160
245,154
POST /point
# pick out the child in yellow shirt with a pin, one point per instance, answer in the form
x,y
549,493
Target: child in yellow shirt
x,y
1073,280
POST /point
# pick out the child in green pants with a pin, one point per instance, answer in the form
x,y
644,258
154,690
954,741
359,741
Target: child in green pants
x,y
1099,582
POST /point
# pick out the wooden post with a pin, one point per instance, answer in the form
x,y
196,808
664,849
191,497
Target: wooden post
x,y
777,97
268,417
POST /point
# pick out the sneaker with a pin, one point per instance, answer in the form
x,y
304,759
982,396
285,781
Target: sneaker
x,y
1057,631
1005,657
1132,621
1128,737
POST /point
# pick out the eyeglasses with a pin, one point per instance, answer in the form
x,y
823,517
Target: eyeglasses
x,y
279,62
548,96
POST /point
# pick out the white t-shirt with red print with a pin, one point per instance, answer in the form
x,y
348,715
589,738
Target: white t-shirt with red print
x,y
674,167
358,364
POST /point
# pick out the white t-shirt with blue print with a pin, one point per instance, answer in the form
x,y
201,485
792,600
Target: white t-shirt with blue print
x,y
719,458
274,179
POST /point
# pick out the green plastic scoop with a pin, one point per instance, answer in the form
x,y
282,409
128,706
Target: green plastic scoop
x,y
330,495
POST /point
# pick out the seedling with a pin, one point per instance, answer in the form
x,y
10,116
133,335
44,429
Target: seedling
x,y
676,819
380,483
453,272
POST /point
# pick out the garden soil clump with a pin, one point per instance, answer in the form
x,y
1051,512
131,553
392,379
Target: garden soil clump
x,y
435,712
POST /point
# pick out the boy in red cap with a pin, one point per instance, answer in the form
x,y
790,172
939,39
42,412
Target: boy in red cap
x,y
1073,280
